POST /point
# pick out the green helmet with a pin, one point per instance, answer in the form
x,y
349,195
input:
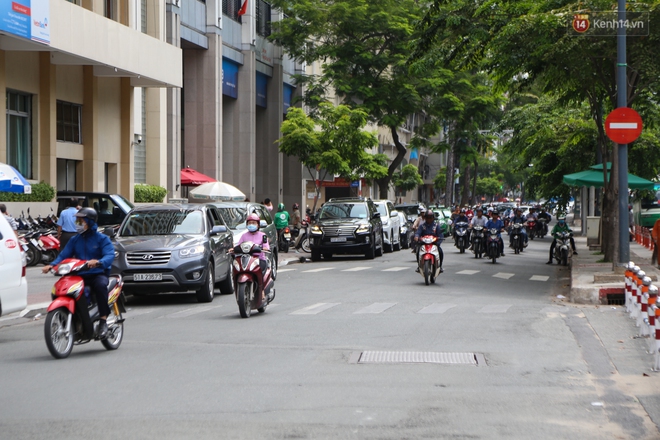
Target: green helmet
x,y
280,207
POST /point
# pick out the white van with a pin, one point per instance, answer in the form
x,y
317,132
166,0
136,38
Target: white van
x,y
13,288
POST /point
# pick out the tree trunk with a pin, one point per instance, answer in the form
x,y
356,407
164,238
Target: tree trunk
x,y
449,187
466,186
474,183
384,183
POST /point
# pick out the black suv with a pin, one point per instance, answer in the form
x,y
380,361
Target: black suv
x,y
111,208
174,248
347,226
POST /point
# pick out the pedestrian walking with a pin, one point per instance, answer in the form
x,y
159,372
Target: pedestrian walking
x,y
12,222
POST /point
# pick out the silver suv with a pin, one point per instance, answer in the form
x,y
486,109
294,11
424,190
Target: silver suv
x,y
174,248
391,225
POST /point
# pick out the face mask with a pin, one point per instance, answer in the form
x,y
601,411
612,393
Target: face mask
x,y
252,228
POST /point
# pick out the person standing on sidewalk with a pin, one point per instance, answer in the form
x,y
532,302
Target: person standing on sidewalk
x,y
66,224
12,222
655,234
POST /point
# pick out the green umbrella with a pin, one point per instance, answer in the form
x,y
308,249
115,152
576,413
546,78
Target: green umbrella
x,y
595,178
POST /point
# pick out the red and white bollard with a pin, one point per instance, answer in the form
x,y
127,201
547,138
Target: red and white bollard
x,y
637,293
629,282
650,320
656,348
643,316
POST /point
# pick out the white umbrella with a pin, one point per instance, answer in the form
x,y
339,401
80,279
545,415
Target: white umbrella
x,y
215,192
12,181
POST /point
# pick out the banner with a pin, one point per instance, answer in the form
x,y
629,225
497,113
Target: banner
x,y
229,78
262,90
26,19
288,95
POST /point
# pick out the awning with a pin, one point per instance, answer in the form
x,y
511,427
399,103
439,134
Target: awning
x,y
595,178
190,177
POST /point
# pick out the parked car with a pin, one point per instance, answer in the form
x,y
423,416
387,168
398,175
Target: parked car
x,y
391,225
349,225
411,210
14,287
649,213
234,215
407,232
174,248
443,217
111,208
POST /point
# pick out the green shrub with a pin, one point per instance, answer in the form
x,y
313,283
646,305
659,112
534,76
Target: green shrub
x,y
41,192
149,193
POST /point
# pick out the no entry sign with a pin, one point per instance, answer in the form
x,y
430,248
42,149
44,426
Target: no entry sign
x,y
623,125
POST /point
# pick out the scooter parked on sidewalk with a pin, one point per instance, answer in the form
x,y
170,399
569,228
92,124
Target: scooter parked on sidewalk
x,y
73,316
429,258
301,237
254,289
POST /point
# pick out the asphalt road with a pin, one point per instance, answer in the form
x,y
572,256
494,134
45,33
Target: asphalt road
x,y
331,358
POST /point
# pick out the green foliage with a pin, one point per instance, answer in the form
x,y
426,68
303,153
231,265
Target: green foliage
x,y
41,192
408,178
440,179
489,186
149,193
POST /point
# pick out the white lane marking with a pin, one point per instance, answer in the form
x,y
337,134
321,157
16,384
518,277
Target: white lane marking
x,y
499,308
355,269
137,312
320,269
314,309
468,272
375,308
284,270
437,308
190,312
395,269
539,278
503,275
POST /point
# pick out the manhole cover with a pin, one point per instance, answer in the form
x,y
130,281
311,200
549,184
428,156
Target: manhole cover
x,y
417,357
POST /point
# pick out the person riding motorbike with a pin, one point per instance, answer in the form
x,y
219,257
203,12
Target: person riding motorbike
x,y
496,223
479,220
543,215
281,219
518,217
462,217
99,252
418,221
561,226
254,235
431,227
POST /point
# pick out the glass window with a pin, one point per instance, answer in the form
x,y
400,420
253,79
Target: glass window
x,y
19,139
343,210
263,18
382,209
230,8
234,217
166,222
68,122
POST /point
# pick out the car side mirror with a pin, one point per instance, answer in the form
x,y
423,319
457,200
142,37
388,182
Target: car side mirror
x,y
262,223
394,214
376,215
218,230
110,232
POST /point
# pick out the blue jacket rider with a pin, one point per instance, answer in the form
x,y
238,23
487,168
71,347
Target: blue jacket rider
x,y
498,224
519,218
99,252
430,227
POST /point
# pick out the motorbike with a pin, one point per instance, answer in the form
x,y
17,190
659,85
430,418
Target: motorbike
x,y
531,228
517,239
50,247
429,258
73,316
251,284
460,236
301,237
563,250
493,244
478,241
542,228
284,239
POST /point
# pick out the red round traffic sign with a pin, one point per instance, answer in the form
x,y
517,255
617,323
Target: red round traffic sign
x,y
623,125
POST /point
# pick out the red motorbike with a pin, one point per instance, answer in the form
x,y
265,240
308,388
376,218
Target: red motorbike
x,y
531,228
254,290
429,258
50,247
74,320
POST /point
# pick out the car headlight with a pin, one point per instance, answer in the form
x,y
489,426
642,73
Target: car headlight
x,y
194,251
362,229
316,230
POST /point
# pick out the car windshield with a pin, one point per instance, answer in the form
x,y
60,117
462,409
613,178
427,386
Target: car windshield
x,y
234,217
121,201
165,222
382,209
343,210
408,210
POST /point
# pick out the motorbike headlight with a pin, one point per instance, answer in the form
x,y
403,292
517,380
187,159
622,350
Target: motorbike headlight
x,y
362,229
64,269
194,251
316,230
236,265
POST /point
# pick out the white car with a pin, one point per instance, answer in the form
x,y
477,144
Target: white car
x,y
391,225
13,288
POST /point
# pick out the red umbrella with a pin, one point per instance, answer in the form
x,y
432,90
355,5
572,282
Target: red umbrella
x,y
190,177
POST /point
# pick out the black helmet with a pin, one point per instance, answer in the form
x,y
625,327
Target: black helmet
x,y
429,213
296,206
89,213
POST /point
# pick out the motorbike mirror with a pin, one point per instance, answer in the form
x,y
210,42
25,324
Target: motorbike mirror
x,y
265,239
262,223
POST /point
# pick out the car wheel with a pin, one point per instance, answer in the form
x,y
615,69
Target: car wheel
x,y
371,252
397,245
205,293
274,259
389,247
227,285
316,255
379,250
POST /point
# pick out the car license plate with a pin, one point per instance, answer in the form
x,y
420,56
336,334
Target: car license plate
x,y
338,239
148,277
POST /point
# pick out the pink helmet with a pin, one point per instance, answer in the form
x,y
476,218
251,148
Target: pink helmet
x,y
253,218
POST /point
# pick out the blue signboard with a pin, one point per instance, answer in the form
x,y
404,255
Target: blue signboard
x,y
288,95
26,19
229,78
414,154
262,89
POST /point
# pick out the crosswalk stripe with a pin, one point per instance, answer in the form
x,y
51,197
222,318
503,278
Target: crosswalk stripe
x,y
355,269
374,308
320,269
539,278
498,308
468,272
437,308
503,275
190,312
284,270
395,269
314,309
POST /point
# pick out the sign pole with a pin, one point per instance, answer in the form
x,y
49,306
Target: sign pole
x,y
622,101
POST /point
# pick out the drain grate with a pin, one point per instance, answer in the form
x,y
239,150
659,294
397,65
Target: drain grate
x,y
416,357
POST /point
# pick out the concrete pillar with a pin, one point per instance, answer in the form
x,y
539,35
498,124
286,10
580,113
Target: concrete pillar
x,y
3,120
244,133
269,177
156,136
174,107
126,164
47,121
91,168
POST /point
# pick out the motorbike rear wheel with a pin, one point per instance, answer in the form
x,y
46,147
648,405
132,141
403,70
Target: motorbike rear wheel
x,y
304,244
115,335
427,271
516,248
59,343
32,255
564,257
244,299
461,246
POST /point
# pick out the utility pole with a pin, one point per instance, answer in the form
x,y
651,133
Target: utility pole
x,y
622,101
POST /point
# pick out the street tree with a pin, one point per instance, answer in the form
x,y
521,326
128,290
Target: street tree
x,y
332,143
408,178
